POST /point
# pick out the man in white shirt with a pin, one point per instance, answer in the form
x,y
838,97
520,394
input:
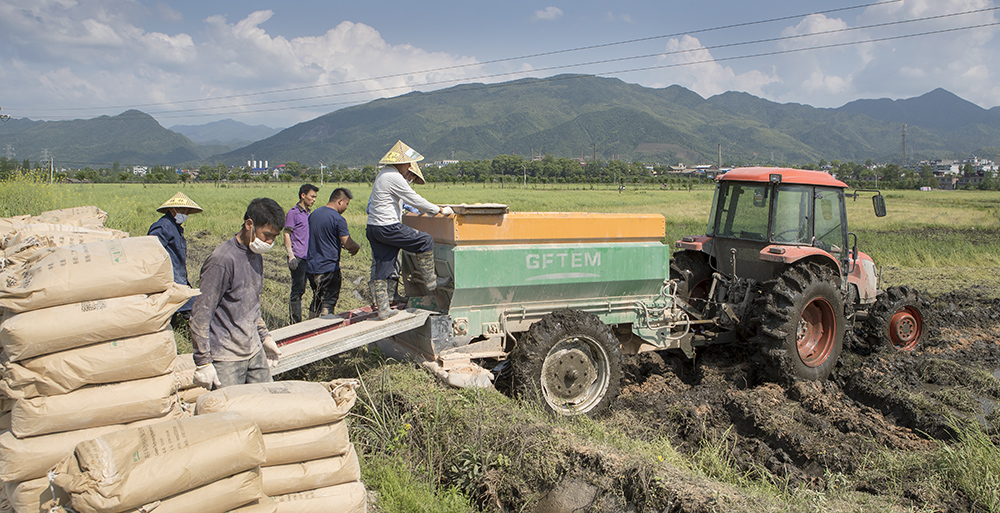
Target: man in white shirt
x,y
386,232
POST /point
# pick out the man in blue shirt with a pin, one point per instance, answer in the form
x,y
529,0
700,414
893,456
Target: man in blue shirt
x,y
328,234
170,230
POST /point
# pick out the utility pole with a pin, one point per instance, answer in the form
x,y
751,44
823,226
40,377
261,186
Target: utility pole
x,y
720,156
525,175
904,145
321,168
48,158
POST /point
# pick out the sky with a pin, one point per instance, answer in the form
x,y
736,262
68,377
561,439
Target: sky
x,y
191,62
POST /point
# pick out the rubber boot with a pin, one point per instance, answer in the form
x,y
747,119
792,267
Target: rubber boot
x,y
380,292
393,290
295,311
425,270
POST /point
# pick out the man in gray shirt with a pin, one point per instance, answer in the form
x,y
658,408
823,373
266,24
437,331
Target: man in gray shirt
x,y
232,345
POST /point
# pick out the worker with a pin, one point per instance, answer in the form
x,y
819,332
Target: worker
x,y
328,234
386,232
170,230
296,245
231,343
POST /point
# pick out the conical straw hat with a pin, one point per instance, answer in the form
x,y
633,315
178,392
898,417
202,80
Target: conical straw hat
x,y
400,153
179,200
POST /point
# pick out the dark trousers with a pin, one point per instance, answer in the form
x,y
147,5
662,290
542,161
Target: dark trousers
x,y
298,288
326,292
386,241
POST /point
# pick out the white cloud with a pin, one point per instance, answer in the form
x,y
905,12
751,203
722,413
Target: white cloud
x,y
91,56
547,14
691,65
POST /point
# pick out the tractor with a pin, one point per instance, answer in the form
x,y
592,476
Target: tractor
x,y
778,265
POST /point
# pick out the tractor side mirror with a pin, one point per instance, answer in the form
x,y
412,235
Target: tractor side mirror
x,y
878,201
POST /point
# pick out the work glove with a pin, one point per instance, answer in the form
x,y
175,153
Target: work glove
x,y
293,263
271,351
446,211
206,376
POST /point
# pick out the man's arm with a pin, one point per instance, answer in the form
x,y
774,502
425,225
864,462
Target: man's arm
x,y
212,285
348,243
288,243
402,190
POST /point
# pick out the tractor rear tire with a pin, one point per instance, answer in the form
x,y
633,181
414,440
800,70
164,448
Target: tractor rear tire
x,y
693,275
571,362
802,330
896,318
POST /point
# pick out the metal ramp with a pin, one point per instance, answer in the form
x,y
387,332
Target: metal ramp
x,y
315,339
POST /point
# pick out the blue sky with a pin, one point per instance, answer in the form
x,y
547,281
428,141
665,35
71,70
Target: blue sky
x,y
280,63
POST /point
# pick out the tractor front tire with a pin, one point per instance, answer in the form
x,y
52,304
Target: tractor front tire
x,y
571,362
896,318
802,330
693,275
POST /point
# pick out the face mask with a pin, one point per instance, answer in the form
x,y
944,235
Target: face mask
x,y
180,218
258,246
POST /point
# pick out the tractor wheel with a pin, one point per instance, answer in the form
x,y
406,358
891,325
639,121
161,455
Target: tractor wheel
x,y
693,276
570,361
802,330
896,318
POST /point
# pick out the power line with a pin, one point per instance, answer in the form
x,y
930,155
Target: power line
x,y
494,61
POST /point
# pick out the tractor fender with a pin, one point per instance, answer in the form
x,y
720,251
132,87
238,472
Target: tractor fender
x,y
865,277
693,243
789,255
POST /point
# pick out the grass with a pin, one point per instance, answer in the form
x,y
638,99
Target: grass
x,y
417,439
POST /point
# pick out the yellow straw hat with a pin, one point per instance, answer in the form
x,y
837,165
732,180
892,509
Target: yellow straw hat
x,y
179,200
400,153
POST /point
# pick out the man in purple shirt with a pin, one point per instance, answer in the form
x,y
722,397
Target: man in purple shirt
x,y
231,343
297,246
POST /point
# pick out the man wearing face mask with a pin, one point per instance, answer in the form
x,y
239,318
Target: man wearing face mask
x,y
231,343
386,232
170,230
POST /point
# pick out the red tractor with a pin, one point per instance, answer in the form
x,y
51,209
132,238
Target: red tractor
x,y
778,264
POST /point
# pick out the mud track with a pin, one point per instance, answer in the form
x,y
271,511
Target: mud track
x,y
878,398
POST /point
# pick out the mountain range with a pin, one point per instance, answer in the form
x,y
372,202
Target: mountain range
x,y
565,116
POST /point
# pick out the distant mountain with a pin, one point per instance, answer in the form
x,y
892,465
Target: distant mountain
x,y
564,116
131,137
226,132
580,115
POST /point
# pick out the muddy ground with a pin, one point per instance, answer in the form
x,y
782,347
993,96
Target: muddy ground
x,y
878,398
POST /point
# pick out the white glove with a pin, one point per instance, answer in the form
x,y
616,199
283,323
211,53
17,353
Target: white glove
x,y
206,376
271,351
446,211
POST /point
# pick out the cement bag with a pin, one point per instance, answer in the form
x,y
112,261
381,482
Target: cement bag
x,y
284,405
343,498
94,405
131,468
20,246
85,272
310,443
9,225
307,475
218,496
58,328
36,496
32,456
126,359
73,216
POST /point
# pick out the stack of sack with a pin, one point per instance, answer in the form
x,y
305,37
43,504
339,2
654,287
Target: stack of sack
x,y
208,463
23,235
87,348
310,464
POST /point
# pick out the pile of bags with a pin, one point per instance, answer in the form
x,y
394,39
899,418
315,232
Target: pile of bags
x,y
310,464
98,410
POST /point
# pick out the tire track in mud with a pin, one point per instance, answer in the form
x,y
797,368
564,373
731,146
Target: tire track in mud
x,y
878,398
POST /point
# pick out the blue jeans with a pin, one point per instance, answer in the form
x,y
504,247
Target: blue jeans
x,y
251,370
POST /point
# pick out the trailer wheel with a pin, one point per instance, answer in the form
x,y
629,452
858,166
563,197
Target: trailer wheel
x,y
570,361
896,318
802,330
693,276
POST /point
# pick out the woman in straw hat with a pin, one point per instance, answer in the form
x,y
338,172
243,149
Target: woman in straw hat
x,y
170,230
386,232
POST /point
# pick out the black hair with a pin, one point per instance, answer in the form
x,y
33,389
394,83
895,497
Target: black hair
x,y
306,189
265,211
341,192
